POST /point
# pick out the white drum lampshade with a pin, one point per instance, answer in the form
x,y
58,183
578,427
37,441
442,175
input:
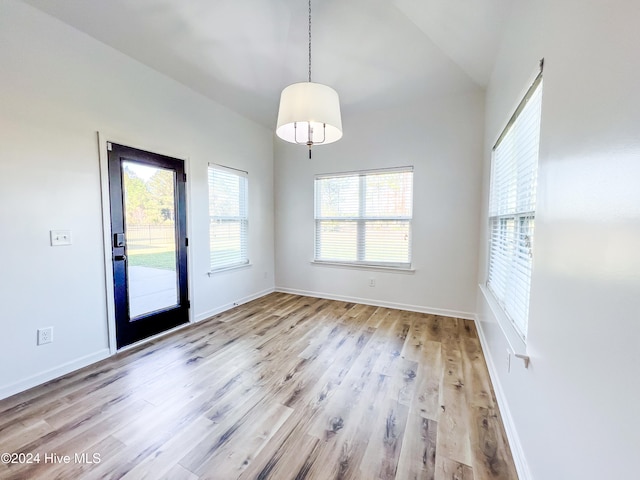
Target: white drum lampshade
x,y
308,104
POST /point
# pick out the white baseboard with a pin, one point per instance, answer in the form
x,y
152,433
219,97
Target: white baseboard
x,y
40,378
229,306
522,467
378,303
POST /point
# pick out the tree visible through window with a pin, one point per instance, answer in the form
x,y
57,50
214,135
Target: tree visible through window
x,y
364,217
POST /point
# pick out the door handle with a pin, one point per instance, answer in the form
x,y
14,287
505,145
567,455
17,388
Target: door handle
x,y
119,257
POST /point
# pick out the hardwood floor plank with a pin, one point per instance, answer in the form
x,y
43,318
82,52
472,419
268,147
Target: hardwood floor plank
x,y
79,431
450,330
29,412
453,425
453,372
283,387
248,439
396,335
447,469
489,446
403,382
384,446
380,316
342,444
22,433
417,337
435,325
389,419
290,451
476,376
180,405
344,402
163,460
48,468
467,329
426,399
106,452
178,472
418,455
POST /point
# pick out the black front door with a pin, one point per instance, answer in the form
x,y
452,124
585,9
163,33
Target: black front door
x,y
149,244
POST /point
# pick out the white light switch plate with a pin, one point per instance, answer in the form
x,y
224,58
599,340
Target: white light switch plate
x,y
60,237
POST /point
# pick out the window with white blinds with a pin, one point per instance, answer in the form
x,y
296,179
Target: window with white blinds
x,y
512,209
228,219
364,217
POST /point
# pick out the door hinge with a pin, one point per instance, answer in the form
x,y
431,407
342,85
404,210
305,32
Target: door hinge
x,y
109,146
186,242
184,177
189,304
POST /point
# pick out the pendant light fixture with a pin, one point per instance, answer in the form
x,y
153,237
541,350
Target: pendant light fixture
x,y
309,113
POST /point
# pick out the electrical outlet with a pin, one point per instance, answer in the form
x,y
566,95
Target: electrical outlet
x,y
372,282
60,237
45,335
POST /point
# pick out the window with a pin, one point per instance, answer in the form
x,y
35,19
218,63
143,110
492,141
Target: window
x,y
512,209
364,217
228,220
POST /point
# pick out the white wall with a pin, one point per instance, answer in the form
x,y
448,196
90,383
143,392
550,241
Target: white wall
x,y
57,88
442,139
574,413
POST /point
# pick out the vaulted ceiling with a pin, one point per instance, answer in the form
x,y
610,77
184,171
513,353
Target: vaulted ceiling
x,y
241,53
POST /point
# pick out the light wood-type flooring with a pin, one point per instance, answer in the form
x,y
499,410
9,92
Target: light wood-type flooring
x,y
284,387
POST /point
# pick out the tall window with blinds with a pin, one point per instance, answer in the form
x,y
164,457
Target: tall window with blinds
x,y
228,218
512,209
364,218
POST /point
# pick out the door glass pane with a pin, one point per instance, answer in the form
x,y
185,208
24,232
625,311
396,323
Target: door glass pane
x,y
149,209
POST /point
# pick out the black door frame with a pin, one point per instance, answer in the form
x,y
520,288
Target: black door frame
x,y
145,326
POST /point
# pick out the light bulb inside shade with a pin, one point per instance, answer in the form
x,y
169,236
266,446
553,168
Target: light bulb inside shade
x,y
307,103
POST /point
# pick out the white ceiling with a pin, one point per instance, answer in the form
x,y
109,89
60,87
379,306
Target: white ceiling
x,y
241,53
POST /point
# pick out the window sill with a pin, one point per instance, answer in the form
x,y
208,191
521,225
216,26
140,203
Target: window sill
x,y
357,266
228,269
517,343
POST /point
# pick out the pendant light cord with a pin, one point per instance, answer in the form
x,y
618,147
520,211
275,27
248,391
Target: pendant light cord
x,y
309,40
310,141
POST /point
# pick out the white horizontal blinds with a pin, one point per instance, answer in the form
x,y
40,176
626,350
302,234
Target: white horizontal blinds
x,y
512,209
515,161
365,217
510,266
228,219
337,213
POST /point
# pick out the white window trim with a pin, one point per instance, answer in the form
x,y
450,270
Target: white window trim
x,y
229,268
383,266
515,335
361,266
514,339
246,262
